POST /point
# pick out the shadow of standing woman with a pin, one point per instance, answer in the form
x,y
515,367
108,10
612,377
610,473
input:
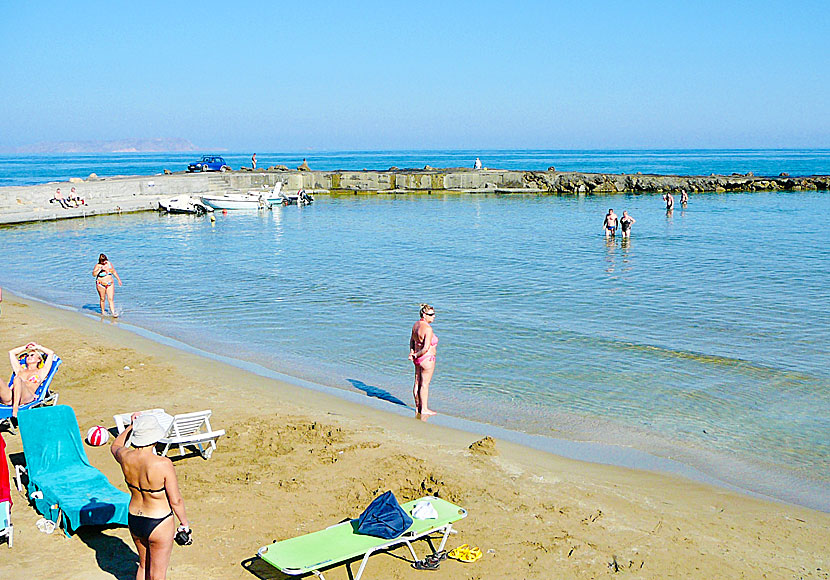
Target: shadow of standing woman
x,y
113,554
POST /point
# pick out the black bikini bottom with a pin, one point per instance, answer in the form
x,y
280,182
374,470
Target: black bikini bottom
x,y
142,527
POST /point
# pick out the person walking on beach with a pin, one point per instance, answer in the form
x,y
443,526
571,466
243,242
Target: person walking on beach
x,y
154,496
103,273
625,225
610,223
422,348
30,365
669,199
253,161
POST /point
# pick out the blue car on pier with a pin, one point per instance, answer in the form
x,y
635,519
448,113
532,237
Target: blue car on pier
x,y
209,163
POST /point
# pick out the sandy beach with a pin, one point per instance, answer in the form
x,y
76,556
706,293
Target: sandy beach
x,y
296,460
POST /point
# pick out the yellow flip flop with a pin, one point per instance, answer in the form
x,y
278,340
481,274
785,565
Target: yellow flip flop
x,y
464,553
455,553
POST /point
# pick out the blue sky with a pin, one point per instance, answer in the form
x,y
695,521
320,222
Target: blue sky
x,y
418,75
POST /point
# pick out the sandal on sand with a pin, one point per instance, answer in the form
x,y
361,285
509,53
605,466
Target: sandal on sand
x,y
425,564
437,557
464,553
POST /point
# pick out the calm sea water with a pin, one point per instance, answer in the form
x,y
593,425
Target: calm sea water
x,y
706,338
32,169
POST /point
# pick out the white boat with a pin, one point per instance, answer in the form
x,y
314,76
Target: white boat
x,y
236,201
184,204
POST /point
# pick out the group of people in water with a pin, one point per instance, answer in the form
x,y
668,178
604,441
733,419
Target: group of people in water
x,y
612,222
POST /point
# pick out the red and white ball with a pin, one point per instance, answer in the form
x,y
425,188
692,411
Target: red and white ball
x,y
97,435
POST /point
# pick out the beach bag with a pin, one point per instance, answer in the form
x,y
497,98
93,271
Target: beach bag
x,y
384,518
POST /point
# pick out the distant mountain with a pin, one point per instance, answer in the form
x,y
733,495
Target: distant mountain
x,y
117,146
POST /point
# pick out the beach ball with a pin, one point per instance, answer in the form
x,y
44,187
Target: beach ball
x,y
97,435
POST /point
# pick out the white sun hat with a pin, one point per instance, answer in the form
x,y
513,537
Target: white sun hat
x,y
146,431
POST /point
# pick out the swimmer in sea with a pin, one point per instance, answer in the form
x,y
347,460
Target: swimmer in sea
x,y
31,364
103,273
422,348
610,223
669,199
684,198
625,225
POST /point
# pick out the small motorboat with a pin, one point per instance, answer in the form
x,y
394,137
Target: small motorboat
x,y
299,198
184,204
237,201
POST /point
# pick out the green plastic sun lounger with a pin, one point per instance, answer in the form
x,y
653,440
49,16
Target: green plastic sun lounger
x,y
311,553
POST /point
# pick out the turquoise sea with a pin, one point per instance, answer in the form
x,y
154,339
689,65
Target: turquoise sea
x,y
705,339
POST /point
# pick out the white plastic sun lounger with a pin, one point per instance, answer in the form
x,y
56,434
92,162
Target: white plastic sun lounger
x,y
185,430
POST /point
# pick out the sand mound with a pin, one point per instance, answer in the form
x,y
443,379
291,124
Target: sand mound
x,y
485,446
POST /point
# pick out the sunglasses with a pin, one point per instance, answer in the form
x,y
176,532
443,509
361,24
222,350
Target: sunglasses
x,y
429,314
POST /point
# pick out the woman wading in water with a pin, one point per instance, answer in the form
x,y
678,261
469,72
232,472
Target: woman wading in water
x,y
422,347
154,496
103,273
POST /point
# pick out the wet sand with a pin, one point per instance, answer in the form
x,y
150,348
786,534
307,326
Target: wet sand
x,y
296,460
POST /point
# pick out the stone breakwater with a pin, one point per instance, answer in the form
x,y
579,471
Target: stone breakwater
x,y
142,193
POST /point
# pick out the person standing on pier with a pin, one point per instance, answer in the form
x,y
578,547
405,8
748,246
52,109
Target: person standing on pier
x,y
253,161
477,164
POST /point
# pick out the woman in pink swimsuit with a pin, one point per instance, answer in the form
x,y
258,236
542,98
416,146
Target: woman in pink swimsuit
x,y
31,364
422,347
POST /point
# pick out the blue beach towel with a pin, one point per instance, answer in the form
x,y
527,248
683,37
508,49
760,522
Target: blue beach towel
x,y
58,467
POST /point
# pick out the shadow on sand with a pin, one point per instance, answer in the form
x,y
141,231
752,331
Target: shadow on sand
x,y
376,392
113,555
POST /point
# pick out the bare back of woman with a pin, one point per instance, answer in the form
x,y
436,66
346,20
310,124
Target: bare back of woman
x,y
154,496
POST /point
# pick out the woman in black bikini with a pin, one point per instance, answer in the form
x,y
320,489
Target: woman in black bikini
x,y
103,273
154,495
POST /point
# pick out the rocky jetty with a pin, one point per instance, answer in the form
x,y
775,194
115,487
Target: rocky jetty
x,y
604,183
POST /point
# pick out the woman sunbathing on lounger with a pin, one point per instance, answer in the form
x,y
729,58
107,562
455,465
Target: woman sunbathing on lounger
x,y
154,496
31,364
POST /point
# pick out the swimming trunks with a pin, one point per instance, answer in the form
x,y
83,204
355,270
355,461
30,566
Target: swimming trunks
x,y
611,229
142,526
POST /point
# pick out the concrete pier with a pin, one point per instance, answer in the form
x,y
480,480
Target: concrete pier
x,y
142,193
